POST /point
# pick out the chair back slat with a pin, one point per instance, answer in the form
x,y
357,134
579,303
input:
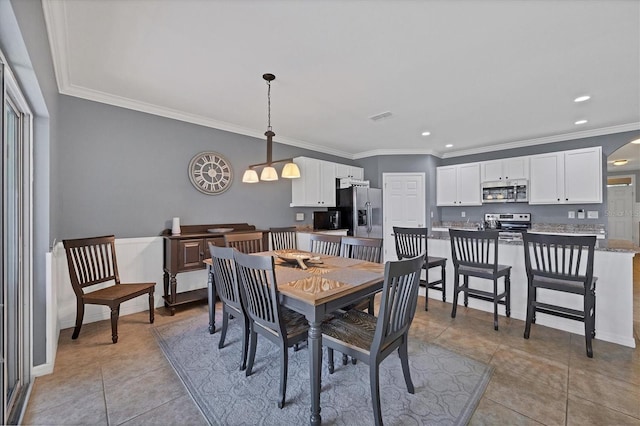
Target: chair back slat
x,y
474,248
257,280
559,256
369,249
326,244
398,301
410,242
283,238
224,273
91,261
249,242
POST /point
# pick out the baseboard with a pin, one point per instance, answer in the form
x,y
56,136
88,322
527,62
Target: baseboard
x,y
43,369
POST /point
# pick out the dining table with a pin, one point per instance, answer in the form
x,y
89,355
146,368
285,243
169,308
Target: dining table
x,y
327,284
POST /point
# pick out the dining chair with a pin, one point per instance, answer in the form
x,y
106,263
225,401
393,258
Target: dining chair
x,y
280,325
413,241
475,254
92,261
284,238
370,339
326,244
247,242
227,289
367,249
561,263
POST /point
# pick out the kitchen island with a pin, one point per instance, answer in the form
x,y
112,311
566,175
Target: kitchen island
x,y
614,289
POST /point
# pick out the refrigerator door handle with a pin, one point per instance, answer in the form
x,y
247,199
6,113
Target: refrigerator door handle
x,y
369,212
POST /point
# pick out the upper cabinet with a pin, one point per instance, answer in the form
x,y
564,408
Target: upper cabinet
x,y
354,172
458,185
567,177
316,186
507,168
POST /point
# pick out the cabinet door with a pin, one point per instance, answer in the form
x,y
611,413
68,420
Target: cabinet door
x,y
312,182
515,168
583,176
343,170
446,186
546,185
298,186
327,188
468,185
491,170
190,254
357,173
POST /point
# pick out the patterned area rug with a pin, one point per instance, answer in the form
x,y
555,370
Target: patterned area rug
x,y
448,386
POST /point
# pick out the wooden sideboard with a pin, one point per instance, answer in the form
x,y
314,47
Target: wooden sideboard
x,y
187,252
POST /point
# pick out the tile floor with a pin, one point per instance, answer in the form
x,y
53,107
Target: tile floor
x,y
544,380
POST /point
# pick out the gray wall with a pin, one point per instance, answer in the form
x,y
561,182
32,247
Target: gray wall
x,y
24,42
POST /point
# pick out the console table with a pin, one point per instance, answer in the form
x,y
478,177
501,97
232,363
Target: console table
x,y
186,252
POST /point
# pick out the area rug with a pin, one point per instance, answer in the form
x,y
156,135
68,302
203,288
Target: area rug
x,y
448,386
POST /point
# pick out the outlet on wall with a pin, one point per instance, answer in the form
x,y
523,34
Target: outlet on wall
x,y
580,214
464,214
592,214
572,214
299,216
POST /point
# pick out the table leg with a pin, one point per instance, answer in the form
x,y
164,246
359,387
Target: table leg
x,y
173,284
211,291
166,288
315,369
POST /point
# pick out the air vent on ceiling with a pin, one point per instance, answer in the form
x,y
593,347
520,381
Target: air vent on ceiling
x,y
381,116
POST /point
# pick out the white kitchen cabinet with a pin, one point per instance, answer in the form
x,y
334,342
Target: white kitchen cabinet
x,y
506,168
316,186
566,177
458,185
354,172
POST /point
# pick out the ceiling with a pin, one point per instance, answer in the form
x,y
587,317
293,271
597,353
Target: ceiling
x,y
478,74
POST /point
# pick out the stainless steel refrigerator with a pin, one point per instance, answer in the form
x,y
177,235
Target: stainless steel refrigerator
x,y
361,211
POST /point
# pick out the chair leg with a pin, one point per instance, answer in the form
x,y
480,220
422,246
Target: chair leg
x,y
79,317
151,307
345,359
115,313
589,320
495,304
530,311
375,392
507,289
466,293
456,284
225,325
444,283
284,364
245,342
403,353
426,289
371,308
330,360
253,340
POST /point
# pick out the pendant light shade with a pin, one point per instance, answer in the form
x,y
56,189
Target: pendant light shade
x,y
290,171
269,173
250,176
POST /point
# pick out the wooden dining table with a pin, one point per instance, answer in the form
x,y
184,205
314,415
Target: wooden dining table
x,y
329,283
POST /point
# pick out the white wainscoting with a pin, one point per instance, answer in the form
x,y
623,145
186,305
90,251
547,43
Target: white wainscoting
x,y
139,260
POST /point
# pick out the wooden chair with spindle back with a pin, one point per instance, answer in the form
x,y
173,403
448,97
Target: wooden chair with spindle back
x,y
326,244
248,242
283,238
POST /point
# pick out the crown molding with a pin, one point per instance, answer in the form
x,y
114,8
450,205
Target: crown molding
x,y
547,139
379,152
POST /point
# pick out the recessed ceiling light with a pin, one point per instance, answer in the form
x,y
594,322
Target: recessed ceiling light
x,y
448,145
637,141
581,122
582,98
620,162
426,133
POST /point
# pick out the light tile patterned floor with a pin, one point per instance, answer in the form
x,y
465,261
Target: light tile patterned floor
x,y
544,380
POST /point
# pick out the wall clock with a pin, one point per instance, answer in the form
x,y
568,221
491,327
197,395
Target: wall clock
x,y
210,173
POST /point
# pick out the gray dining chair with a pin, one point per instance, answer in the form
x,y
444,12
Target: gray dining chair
x,y
248,242
413,241
475,254
228,290
326,244
370,339
284,238
559,263
268,318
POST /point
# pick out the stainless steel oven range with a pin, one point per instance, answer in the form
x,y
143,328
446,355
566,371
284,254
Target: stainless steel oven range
x,y
510,225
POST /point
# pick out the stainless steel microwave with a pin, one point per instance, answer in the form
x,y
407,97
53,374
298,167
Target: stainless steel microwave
x,y
505,191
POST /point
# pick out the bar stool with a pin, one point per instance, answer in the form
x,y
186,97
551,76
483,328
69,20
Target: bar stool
x,y
412,241
475,254
557,262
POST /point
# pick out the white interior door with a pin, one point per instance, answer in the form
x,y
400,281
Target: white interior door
x,y
403,205
620,212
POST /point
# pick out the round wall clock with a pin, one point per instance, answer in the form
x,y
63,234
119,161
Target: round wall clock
x,y
210,173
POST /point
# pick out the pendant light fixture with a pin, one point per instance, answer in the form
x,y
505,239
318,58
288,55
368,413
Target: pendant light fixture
x,y
290,170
